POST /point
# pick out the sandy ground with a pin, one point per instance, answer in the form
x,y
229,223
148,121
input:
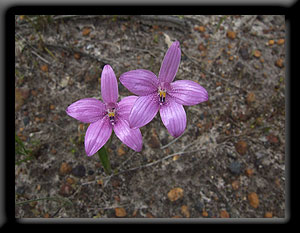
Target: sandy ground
x,y
230,161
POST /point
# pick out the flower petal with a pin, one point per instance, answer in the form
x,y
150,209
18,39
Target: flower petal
x,y
125,106
170,63
174,117
130,137
140,82
87,110
109,85
97,135
143,110
188,92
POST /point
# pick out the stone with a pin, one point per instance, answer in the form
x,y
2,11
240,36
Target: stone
x,y
185,211
279,63
235,167
44,68
231,35
79,171
201,29
201,47
77,56
249,172
224,214
250,98
241,147
268,215
175,194
65,168
120,212
204,213
253,199
271,42
256,53
70,181
86,31
272,139
280,41
235,185
66,190
244,53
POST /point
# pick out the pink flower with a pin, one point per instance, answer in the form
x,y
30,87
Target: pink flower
x,y
162,94
107,116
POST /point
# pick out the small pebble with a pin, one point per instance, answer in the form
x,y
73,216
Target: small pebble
x,y
79,171
65,168
91,172
268,215
77,56
253,199
120,212
224,214
272,139
256,53
250,98
241,147
235,167
86,31
235,185
249,172
244,53
204,213
201,29
279,63
185,211
175,194
70,181
280,42
44,68
66,190
271,42
231,35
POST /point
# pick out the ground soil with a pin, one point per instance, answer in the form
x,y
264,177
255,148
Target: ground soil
x,y
230,161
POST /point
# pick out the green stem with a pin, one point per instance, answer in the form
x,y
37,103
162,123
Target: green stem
x,y
220,22
103,156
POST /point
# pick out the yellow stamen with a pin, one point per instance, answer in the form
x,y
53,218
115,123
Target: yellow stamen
x,y
111,114
162,93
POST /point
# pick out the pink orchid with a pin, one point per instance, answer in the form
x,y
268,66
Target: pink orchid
x,y
162,94
107,116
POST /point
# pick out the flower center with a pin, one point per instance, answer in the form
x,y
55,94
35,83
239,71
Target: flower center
x,y
162,92
111,112
162,96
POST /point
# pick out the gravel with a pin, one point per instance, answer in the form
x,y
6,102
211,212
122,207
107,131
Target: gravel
x,y
203,162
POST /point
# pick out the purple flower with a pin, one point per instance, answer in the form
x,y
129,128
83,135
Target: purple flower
x,y
162,94
107,116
